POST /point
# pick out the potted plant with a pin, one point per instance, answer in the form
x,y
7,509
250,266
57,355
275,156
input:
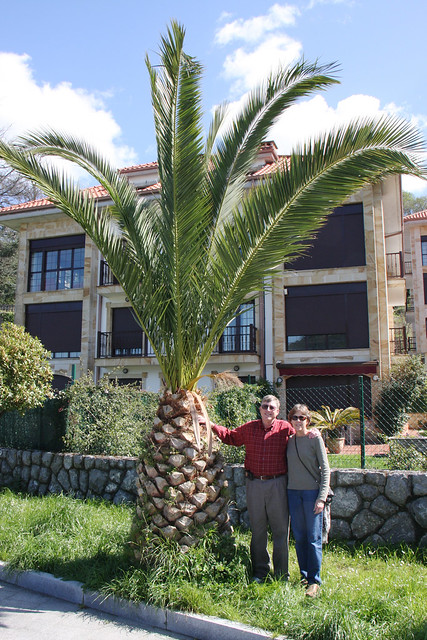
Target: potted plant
x,y
333,422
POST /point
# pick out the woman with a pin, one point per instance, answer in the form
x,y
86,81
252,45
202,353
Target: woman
x,y
308,483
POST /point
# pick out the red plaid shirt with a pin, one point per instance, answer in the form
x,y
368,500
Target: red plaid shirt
x,y
265,448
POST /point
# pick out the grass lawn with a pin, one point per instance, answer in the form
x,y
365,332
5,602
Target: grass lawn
x,y
366,594
352,461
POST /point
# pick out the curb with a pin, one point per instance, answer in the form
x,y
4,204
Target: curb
x,y
194,625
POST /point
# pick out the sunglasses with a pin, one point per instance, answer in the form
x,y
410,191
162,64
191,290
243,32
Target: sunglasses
x,y
269,406
299,418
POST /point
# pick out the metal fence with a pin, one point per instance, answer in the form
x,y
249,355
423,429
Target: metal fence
x,y
42,428
388,433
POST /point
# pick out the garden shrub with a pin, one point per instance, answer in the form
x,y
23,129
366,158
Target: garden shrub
x,y
405,391
104,418
407,458
234,406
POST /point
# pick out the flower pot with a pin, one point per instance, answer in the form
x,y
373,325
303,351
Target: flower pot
x,y
335,445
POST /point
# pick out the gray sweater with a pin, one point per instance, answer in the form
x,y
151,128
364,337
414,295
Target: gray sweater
x,y
313,454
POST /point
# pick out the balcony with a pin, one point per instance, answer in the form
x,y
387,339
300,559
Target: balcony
x,y
124,344
106,276
400,342
240,339
394,263
133,344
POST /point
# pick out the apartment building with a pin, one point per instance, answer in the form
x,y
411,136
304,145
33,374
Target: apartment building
x,y
414,333
325,320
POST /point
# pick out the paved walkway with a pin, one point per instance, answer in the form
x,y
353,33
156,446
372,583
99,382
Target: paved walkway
x,y
27,615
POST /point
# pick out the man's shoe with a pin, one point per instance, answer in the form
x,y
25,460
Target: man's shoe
x,y
312,590
257,580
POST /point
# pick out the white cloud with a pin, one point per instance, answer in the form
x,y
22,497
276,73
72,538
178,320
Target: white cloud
x,y
254,29
26,106
247,69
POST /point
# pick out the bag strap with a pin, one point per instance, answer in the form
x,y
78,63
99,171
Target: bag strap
x,y
330,492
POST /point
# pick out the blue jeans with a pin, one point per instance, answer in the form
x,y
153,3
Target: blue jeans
x,y
307,529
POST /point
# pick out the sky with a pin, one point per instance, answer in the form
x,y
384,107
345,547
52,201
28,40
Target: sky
x,y
78,66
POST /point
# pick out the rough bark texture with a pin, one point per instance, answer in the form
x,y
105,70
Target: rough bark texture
x,y
181,488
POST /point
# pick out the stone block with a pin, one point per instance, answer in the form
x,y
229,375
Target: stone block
x,y
239,477
47,458
26,458
418,509
68,461
419,484
377,478
102,464
35,471
64,480
340,530
399,528
397,488
54,486
241,498
349,478
129,481
346,502
89,462
97,481
123,496
115,475
44,475
77,461
365,523
36,457
57,463
33,487
384,507
11,457
73,475
83,481
368,492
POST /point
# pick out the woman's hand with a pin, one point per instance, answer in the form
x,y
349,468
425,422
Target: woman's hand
x,y
319,506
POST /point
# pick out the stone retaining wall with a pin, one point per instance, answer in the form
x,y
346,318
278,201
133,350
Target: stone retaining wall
x,y
40,472
369,506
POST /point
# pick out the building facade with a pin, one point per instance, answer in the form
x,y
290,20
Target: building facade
x,y
415,245
324,320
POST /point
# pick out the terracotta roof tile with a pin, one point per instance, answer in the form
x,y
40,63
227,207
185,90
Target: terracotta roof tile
x,y
100,192
419,215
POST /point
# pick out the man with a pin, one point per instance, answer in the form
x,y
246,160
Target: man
x,y
266,469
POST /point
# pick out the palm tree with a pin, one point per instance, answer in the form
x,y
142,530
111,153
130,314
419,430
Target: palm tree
x,y
333,422
187,259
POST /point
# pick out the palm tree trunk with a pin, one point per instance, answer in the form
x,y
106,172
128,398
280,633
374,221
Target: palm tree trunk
x,y
181,488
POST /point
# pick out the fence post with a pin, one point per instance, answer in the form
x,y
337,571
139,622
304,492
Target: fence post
x,y
362,424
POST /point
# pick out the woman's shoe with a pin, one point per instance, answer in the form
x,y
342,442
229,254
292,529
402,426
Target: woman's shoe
x,y
312,590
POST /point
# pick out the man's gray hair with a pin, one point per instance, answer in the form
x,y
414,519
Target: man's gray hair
x,y
274,399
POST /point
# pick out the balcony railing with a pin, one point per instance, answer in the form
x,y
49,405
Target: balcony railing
x,y
106,276
400,342
241,339
123,344
410,304
133,344
394,265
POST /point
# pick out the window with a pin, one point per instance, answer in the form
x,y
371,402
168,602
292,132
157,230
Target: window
x,y
240,334
58,325
425,287
127,335
424,250
56,263
327,317
339,243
